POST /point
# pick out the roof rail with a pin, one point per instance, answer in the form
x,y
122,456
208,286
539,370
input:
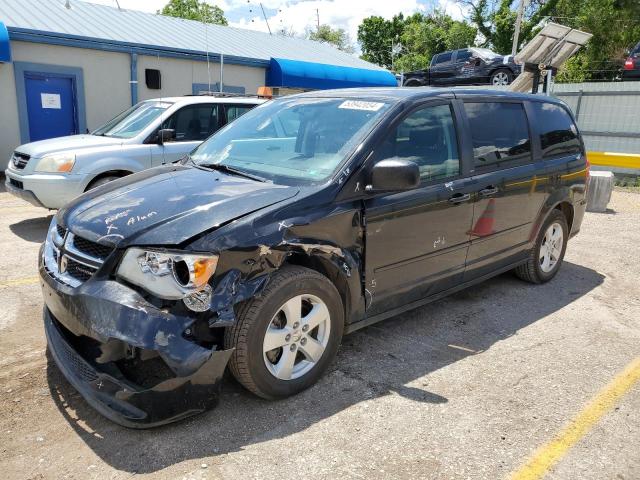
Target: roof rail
x,y
223,94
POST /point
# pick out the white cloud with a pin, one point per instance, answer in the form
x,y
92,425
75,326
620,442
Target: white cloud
x,y
346,14
454,9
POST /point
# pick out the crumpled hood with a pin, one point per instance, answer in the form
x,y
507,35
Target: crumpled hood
x,y
166,205
63,144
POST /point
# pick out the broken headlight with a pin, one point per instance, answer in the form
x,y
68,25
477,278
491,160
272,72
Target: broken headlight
x,y
166,274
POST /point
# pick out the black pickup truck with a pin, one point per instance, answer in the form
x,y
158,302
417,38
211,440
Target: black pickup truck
x,y
467,66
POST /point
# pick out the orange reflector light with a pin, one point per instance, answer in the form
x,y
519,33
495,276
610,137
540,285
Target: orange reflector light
x,y
202,271
266,92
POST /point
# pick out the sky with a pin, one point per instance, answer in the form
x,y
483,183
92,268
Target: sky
x,y
300,15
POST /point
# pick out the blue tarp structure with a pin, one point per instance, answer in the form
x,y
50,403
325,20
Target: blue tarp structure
x,y
310,75
5,49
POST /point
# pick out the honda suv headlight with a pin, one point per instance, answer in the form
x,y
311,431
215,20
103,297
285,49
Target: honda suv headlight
x,y
60,163
172,275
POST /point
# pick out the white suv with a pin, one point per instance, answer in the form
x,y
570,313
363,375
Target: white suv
x,y
50,173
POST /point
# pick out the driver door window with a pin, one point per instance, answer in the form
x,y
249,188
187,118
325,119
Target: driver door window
x,y
194,123
427,137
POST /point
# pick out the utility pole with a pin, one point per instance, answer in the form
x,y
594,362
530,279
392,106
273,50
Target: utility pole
x,y
318,18
516,33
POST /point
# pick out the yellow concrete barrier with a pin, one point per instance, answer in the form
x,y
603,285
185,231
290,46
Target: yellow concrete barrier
x,y
612,159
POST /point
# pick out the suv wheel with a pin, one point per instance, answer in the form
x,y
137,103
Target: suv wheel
x,y
286,338
547,253
101,181
501,77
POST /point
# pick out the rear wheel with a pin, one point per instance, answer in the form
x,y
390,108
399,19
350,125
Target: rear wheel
x,y
501,78
285,339
545,258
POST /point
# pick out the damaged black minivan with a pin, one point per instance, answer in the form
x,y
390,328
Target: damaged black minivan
x,y
307,218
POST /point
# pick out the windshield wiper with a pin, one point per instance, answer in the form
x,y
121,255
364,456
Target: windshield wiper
x,y
221,167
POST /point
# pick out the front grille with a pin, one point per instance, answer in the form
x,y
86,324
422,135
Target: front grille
x,y
16,183
61,231
20,160
72,260
69,357
78,270
91,248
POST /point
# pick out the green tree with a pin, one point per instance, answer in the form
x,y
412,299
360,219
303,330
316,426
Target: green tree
x,y
194,10
424,36
495,20
376,34
335,36
615,25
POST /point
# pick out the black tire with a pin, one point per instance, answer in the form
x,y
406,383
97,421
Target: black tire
x,y
254,316
502,72
101,181
531,271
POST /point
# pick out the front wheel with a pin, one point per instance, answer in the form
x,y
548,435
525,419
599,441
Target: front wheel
x,y
548,251
285,339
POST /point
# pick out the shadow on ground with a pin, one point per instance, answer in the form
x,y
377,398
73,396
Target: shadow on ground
x,y
32,229
376,361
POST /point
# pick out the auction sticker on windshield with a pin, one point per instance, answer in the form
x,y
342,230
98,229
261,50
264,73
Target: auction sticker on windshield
x,y
360,105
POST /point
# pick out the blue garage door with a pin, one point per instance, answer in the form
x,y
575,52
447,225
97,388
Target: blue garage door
x,y
51,106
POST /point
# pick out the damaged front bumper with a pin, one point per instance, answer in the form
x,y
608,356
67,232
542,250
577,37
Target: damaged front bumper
x,y
92,328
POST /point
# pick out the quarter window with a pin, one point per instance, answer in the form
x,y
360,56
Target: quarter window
x,y
558,133
428,138
499,132
193,123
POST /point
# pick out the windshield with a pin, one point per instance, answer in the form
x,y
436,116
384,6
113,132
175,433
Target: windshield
x,y
131,122
292,141
485,53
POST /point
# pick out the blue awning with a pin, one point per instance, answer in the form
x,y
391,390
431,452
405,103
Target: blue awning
x,y
309,75
5,49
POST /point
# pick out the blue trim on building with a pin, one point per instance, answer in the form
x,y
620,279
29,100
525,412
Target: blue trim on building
x,y
298,74
66,40
196,88
19,69
134,78
5,46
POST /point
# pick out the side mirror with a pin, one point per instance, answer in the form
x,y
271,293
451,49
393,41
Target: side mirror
x,y
394,175
166,135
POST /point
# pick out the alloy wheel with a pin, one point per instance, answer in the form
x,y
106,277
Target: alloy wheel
x,y
500,79
296,337
551,247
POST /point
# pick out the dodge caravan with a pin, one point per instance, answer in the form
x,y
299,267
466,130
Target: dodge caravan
x,y
309,217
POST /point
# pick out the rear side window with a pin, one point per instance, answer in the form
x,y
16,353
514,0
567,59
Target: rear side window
x,y
500,133
463,55
235,111
427,137
558,133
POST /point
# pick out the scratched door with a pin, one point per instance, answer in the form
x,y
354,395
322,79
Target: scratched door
x,y
417,241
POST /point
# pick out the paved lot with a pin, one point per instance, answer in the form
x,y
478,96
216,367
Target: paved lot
x,y
468,387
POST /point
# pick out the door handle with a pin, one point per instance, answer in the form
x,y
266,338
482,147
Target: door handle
x,y
460,197
487,192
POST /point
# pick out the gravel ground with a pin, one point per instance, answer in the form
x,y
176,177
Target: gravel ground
x,y
467,387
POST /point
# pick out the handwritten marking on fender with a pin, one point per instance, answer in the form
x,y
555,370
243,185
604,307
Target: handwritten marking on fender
x,y
140,218
112,218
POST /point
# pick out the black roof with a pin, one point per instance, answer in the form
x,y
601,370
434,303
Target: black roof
x,y
397,94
